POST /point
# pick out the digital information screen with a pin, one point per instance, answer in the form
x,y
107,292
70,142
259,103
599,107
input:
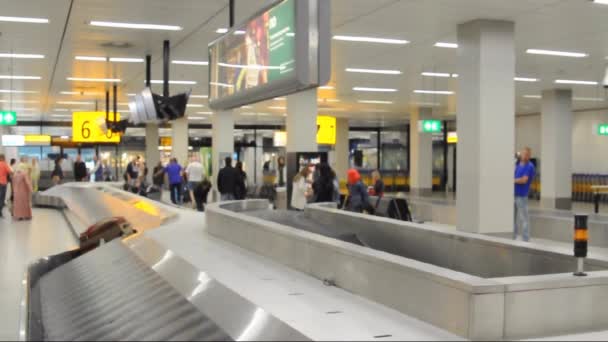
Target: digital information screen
x,y
270,55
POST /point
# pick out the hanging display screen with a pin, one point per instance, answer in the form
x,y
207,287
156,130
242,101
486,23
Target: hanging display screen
x,y
277,52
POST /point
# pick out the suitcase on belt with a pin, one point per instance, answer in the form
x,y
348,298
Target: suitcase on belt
x,y
106,230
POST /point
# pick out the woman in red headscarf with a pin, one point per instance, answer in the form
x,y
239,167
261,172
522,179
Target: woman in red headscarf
x,y
358,199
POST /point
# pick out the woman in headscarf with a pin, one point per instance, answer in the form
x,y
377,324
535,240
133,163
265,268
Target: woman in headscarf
x,y
22,186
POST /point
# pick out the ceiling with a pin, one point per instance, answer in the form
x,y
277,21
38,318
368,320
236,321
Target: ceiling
x,y
568,25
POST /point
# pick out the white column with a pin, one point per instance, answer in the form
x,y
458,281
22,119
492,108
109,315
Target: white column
x,y
179,140
486,126
421,154
556,149
222,141
2,131
342,150
302,122
152,152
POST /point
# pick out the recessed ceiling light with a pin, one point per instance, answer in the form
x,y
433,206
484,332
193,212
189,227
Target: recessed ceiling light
x,y
25,20
532,96
135,26
248,114
61,116
375,102
427,104
437,92
205,113
525,79
191,62
280,98
21,56
61,110
436,74
20,101
197,118
371,40
247,107
327,88
8,91
174,82
11,77
193,105
277,108
91,58
556,53
380,90
126,60
446,45
75,103
85,79
374,71
199,96
225,30
576,82
24,109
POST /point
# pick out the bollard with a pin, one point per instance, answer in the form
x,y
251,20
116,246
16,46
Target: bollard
x,y
581,239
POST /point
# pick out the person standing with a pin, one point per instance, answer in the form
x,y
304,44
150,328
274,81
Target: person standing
x,y
5,173
97,169
524,175
22,185
57,174
107,172
158,176
358,198
194,173
35,174
13,165
80,169
241,182
174,174
301,189
323,187
132,172
227,181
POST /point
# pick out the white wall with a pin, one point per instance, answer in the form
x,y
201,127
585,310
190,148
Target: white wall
x,y
589,151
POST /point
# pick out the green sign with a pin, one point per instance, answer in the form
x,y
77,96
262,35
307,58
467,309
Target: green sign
x,y
430,126
8,118
281,39
602,129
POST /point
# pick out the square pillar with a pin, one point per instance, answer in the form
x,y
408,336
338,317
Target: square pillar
x,y
421,154
486,126
222,142
179,140
556,149
342,149
152,152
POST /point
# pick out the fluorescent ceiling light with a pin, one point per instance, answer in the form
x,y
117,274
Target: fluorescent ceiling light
x,y
193,105
328,100
78,93
11,77
25,20
437,92
85,79
123,103
532,96
375,102
248,114
174,82
249,66
61,110
446,45
8,91
20,101
247,107
136,26
557,53
75,103
126,60
576,82
436,74
205,113
196,118
21,56
327,88
371,40
277,108
131,94
91,58
593,99
374,71
191,62
427,104
380,90
24,109
601,2
280,99
199,96
61,116
225,30
525,79
221,85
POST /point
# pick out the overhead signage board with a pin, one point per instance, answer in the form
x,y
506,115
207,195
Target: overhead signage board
x,y
89,127
13,140
38,140
283,49
602,130
326,130
429,126
8,118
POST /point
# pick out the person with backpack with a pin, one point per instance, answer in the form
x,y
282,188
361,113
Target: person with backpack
x,y
358,198
227,181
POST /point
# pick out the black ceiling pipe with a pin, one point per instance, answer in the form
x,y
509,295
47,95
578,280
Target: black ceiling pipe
x,y
115,90
148,71
231,13
166,62
107,105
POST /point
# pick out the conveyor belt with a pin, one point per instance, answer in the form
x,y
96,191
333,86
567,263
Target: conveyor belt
x,y
111,294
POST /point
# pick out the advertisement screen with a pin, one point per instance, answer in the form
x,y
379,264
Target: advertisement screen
x,y
257,53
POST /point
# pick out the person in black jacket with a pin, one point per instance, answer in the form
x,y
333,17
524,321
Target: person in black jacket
x,y
80,169
323,187
241,184
227,181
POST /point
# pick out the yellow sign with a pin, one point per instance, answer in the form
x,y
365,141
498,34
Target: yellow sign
x,y
38,140
452,138
166,141
89,127
326,130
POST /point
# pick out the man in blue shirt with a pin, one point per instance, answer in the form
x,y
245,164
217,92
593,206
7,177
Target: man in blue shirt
x,y
524,175
174,173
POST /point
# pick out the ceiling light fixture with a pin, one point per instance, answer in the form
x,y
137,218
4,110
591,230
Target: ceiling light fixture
x,y
199,96
371,40
379,90
91,58
280,99
225,30
532,97
135,26
374,71
174,82
20,56
194,105
277,108
8,91
592,99
525,79
375,102
11,77
556,53
327,88
436,74
85,79
191,62
25,20
205,113
75,103
576,82
446,45
126,60
601,2
437,92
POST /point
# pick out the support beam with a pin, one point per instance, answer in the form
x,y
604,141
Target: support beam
x,y
223,142
342,149
421,149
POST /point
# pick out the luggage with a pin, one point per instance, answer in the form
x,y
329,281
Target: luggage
x,y
106,230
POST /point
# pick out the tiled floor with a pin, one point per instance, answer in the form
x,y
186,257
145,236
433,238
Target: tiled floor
x,y
20,244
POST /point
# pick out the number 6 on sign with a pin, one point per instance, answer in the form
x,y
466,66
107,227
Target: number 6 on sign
x,y
89,127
